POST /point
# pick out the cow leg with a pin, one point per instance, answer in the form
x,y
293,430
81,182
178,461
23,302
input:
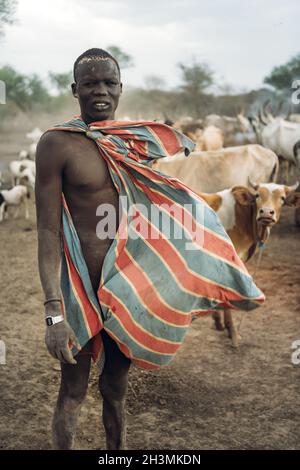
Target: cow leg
x,y
74,382
26,208
16,212
217,317
231,328
2,210
113,387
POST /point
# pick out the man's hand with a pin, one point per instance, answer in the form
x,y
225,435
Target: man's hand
x,y
57,341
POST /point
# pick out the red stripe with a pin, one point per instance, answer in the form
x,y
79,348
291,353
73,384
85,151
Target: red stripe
x,y
157,345
147,292
217,246
187,279
91,316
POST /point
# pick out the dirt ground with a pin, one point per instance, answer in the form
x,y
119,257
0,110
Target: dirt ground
x,y
210,397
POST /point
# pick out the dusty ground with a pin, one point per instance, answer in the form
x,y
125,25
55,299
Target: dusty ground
x,y
211,397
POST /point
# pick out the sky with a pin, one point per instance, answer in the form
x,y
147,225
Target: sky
x,y
240,41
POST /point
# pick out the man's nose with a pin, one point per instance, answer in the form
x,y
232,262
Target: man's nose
x,y
100,89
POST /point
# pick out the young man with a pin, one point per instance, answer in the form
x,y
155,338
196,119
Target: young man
x,y
68,162
131,296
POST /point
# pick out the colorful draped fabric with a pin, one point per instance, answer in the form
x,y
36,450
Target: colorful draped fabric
x,y
153,282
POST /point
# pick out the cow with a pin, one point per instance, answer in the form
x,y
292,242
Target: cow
x,y
34,135
248,214
14,197
280,136
211,138
295,117
214,171
22,171
23,154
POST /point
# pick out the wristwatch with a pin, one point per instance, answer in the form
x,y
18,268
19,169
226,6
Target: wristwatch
x,y
52,320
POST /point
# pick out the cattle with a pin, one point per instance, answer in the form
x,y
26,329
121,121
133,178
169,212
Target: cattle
x,y
23,155
280,136
214,171
295,117
14,197
188,126
34,135
22,171
248,214
211,138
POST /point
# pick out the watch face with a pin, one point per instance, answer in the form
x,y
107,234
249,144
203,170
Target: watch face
x,y
49,321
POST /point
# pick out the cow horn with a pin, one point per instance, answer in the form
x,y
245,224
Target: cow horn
x,y
260,117
293,187
251,184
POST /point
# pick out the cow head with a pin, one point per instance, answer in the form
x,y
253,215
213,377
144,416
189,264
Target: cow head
x,y
269,199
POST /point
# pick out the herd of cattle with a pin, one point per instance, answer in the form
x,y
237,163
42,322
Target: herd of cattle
x,y
240,182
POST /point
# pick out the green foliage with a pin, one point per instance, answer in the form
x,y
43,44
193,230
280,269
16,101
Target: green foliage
x,y
7,11
282,76
61,82
124,60
196,78
23,90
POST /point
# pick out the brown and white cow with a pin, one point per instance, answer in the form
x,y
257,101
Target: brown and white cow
x,y
248,214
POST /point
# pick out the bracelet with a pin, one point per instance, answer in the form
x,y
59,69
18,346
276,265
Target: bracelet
x,y
52,300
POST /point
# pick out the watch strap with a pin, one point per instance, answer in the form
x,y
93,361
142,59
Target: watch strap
x,y
53,320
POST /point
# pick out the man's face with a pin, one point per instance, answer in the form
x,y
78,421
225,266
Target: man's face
x,y
98,89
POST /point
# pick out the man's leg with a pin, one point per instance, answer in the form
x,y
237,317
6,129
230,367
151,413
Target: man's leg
x,y
113,386
74,382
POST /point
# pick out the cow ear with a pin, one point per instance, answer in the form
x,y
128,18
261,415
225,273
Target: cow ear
x,y
293,200
243,195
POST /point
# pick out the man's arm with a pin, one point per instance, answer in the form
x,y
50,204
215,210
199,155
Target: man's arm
x,y
50,162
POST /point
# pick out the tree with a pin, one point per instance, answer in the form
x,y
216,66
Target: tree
x,y
61,82
7,11
124,60
154,82
196,79
23,90
36,90
282,76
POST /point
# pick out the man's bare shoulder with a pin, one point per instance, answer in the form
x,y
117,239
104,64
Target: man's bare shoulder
x,y
54,147
51,140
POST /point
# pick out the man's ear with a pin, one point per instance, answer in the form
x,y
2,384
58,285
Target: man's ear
x,y
121,87
243,195
74,90
293,200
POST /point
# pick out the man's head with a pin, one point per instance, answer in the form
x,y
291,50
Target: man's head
x,y
97,85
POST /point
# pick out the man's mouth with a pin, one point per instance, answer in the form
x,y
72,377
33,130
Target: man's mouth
x,y
100,105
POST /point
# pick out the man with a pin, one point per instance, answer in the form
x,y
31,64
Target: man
x,y
133,296
62,167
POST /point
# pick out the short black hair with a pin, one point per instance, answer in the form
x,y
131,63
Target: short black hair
x,y
94,54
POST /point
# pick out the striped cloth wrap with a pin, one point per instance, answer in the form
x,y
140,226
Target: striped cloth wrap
x,y
170,261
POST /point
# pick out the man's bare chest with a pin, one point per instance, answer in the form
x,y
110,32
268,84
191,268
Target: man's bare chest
x,y
85,167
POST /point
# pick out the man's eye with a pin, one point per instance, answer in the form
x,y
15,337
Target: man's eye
x,y
112,83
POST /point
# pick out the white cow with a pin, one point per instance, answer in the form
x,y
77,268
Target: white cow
x,y
217,170
14,197
22,169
